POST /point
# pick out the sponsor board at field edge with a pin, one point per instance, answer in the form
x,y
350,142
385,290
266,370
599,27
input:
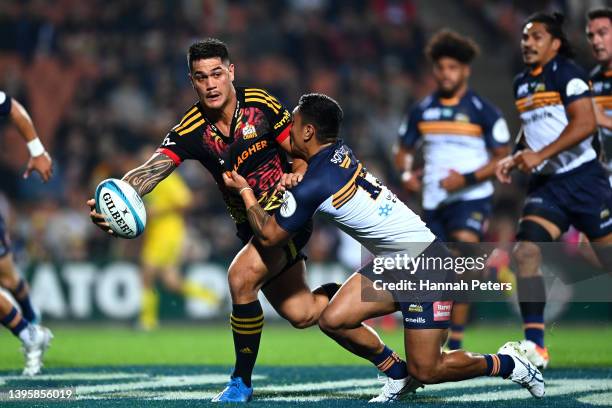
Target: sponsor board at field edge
x,y
86,290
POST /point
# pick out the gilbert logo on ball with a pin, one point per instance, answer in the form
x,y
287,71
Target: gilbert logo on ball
x,y
122,207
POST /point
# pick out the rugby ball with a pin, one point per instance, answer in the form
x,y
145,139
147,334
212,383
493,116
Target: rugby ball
x,y
122,207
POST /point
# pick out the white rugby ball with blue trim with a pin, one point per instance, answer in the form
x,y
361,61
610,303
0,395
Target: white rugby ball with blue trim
x,y
122,207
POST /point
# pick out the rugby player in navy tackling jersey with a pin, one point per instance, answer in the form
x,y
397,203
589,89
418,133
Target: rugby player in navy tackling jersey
x,y
338,186
244,130
463,136
35,338
568,185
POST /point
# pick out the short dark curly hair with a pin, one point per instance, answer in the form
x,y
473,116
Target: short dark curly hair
x,y
448,43
324,113
207,48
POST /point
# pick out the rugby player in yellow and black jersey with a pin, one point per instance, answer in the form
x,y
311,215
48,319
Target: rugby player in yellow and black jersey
x,y
252,145
244,130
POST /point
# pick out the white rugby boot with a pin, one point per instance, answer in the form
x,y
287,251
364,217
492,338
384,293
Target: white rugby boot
x,y
536,355
396,390
34,344
524,373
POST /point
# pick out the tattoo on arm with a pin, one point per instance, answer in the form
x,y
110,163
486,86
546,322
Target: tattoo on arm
x,y
146,177
257,219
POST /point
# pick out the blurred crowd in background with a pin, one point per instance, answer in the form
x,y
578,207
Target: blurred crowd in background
x,y
105,80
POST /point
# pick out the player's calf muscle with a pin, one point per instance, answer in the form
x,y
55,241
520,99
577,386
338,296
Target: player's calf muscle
x,y
293,299
528,257
454,366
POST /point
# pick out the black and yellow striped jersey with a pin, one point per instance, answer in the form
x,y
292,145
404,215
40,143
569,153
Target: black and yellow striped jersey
x,y
252,149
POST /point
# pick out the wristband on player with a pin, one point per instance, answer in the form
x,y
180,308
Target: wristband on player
x,y
35,147
244,189
470,178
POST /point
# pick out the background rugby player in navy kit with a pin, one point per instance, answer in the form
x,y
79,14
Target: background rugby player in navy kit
x,y
599,34
463,137
568,185
22,324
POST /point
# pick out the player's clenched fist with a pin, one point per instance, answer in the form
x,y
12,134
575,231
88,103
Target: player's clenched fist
x,y
527,160
453,182
503,168
288,181
235,181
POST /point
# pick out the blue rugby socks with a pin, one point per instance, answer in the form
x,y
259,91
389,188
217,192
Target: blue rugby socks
x,y
532,289
14,321
455,337
499,365
21,293
391,364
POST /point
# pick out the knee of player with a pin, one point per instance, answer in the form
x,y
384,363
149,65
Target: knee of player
x,y
303,320
242,279
525,251
9,281
330,321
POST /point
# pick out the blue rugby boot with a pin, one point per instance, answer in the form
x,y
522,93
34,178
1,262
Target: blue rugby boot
x,y
235,391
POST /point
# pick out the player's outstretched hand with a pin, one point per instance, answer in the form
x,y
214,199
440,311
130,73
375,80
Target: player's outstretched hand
x,y
98,218
234,181
453,182
288,181
503,169
41,164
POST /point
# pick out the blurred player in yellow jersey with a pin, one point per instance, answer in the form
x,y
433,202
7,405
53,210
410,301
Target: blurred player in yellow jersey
x,y
162,248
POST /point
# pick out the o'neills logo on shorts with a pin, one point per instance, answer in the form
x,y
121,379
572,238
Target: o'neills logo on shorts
x,y
415,320
442,310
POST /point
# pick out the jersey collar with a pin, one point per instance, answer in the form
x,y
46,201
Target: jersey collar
x,y
239,103
323,152
450,102
539,70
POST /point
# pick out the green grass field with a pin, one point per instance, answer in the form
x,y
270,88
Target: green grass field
x,y
187,365
281,345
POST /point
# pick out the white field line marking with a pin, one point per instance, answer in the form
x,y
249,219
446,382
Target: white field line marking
x,y
554,388
504,390
320,386
602,399
156,382
84,376
296,399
